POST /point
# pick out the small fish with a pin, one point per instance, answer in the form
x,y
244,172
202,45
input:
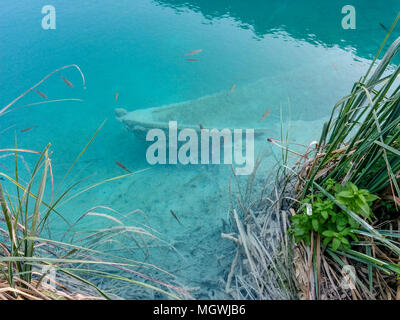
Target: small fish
x,y
232,89
265,115
193,52
119,164
28,129
201,127
192,60
383,27
335,67
116,96
41,94
69,84
174,215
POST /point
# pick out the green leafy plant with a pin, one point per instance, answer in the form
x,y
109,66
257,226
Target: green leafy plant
x,y
357,200
323,216
359,148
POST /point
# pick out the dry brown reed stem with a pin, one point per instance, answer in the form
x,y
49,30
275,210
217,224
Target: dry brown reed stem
x,y
263,264
232,272
25,291
300,271
274,141
310,275
19,150
243,240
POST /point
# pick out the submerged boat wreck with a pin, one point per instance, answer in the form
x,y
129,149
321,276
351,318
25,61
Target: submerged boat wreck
x,y
255,106
231,110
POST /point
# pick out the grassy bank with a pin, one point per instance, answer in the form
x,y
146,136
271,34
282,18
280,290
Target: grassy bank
x,y
328,227
85,262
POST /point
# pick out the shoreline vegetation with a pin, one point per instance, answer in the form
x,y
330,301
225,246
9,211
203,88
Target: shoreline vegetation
x,y
332,214
328,227
83,257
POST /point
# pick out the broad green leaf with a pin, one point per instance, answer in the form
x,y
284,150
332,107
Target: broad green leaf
x,y
328,233
335,244
315,224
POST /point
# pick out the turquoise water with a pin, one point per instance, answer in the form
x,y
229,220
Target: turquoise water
x,y
136,48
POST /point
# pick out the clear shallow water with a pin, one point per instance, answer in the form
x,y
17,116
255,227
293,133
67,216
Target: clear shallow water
x,y
136,48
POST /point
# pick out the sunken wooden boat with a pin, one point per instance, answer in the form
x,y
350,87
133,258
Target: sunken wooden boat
x,y
245,106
